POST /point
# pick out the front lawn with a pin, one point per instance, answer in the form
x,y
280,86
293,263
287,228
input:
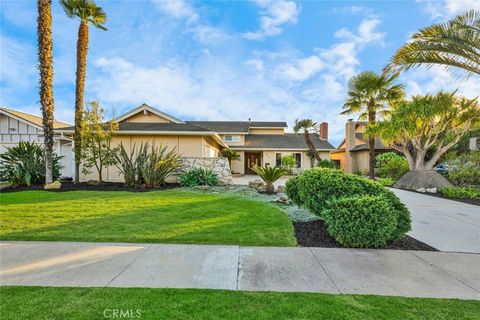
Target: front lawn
x,y
172,216
99,303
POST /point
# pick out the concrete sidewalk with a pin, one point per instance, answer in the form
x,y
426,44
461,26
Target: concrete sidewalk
x,y
443,224
381,272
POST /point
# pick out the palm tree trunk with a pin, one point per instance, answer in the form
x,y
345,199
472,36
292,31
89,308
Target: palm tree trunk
x,y
45,56
371,141
82,49
311,146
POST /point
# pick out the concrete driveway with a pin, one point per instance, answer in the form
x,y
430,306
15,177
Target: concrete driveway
x,y
356,271
443,224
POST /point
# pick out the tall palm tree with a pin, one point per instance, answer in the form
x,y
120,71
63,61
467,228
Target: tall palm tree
x,y
45,57
308,126
370,94
453,44
88,12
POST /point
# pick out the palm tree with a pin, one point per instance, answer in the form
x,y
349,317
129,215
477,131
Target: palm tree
x,y
370,94
230,155
45,57
308,125
453,44
87,11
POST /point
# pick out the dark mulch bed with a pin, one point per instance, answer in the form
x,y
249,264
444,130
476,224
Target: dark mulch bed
x,y
475,202
314,234
106,186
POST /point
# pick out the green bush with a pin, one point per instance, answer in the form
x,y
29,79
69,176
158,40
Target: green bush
x,y
391,165
327,164
198,177
386,182
460,192
464,170
288,162
361,221
24,164
315,189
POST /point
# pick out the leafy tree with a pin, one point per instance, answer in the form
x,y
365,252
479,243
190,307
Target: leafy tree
x,y
88,12
370,94
391,165
45,57
307,126
230,155
288,162
96,137
427,123
452,44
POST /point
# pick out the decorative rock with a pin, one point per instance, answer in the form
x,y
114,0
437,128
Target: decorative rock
x,y
256,184
431,190
53,185
219,166
281,189
422,190
283,199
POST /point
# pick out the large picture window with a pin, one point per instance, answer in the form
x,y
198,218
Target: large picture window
x,y
278,160
298,159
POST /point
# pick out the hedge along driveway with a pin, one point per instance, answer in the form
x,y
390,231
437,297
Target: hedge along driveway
x,y
173,216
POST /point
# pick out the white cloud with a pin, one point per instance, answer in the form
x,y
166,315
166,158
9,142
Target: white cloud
x,y
302,69
447,9
177,9
275,14
366,32
17,62
423,81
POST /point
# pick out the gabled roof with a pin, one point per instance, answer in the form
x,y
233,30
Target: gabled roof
x,y
289,141
146,107
237,126
30,118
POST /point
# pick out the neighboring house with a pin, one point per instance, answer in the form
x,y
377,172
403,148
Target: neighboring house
x,y
16,126
352,153
258,143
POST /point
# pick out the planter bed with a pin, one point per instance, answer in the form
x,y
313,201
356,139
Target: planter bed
x,y
84,186
314,234
474,202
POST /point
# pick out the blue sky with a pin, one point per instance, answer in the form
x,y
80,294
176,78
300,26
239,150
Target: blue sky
x,y
223,60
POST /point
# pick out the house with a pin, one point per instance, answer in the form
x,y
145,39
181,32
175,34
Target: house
x,y
352,153
16,126
258,142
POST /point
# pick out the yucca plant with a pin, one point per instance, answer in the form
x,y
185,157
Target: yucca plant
x,y
129,163
157,166
24,164
269,175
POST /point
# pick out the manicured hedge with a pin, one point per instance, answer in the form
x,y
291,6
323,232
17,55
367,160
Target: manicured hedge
x,y
361,221
317,189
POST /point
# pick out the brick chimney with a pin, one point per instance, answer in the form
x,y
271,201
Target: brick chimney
x,y
323,131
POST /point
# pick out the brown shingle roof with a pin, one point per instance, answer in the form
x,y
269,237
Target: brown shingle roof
x,y
33,119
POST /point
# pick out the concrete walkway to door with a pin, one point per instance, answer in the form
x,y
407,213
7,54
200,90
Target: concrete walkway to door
x,y
353,271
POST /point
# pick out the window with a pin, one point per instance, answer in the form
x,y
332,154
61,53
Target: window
x,y
278,160
298,159
231,138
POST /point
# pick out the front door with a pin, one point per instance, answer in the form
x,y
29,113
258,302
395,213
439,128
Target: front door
x,y
251,160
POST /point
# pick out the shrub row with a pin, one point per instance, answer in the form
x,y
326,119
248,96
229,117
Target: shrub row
x,y
358,212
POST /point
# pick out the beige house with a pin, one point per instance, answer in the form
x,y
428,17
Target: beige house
x,y
16,126
260,143
352,153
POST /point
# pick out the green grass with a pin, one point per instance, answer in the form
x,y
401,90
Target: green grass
x,y
172,216
91,303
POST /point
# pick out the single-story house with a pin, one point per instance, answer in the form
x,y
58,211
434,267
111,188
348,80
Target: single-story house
x,y
258,142
16,126
352,153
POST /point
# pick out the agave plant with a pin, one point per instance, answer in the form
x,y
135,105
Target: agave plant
x,y
269,175
24,164
199,177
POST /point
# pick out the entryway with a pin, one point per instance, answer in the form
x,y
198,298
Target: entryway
x,y
252,159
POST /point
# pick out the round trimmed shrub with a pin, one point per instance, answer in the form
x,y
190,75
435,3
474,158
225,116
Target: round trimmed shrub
x,y
361,221
315,189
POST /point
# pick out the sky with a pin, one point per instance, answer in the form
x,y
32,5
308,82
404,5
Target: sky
x,y
223,60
